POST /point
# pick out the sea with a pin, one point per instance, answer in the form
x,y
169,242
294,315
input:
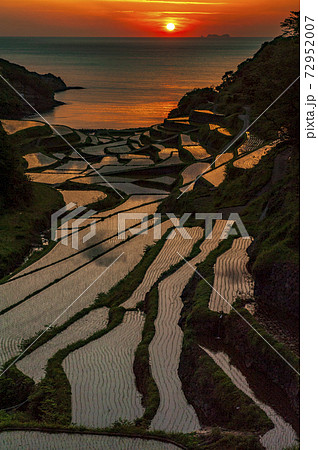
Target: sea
x,y
128,82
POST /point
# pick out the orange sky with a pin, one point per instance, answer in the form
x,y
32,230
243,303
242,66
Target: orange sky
x,y
143,17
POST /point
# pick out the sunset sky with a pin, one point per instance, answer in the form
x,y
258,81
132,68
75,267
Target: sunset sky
x,y
143,17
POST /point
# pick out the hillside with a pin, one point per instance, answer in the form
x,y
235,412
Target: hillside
x,y
199,359
37,89
268,193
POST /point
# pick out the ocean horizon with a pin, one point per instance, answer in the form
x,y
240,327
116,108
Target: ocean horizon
x,y
128,82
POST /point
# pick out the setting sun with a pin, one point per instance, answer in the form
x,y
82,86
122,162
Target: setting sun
x,y
170,26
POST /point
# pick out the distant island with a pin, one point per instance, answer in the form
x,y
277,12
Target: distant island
x,y
217,36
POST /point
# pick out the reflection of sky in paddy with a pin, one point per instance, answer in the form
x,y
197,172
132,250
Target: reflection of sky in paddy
x,y
192,172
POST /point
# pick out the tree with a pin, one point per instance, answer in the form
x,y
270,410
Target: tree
x,y
291,25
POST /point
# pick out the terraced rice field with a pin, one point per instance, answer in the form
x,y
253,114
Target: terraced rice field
x,y
191,172
105,140
38,160
62,130
204,113
119,149
96,179
165,152
130,188
59,155
107,227
44,307
216,176
83,137
140,162
251,143
178,119
117,169
164,180
82,198
252,159
282,436
117,143
213,126
32,440
187,141
221,159
197,151
106,161
94,139
136,139
74,166
76,155
224,131
94,150
12,126
9,348
102,378
134,156
174,413
167,257
51,177
66,259
34,364
232,278
172,161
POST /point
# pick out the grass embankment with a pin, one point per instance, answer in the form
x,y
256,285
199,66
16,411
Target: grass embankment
x,y
56,142
20,227
144,379
48,405
125,288
111,201
215,398
27,140
225,396
215,440
50,400
55,380
264,355
267,195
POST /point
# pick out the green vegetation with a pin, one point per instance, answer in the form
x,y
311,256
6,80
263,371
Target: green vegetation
x,y
259,81
258,341
124,289
50,401
242,340
15,388
57,143
20,227
196,99
37,89
186,156
213,140
267,196
25,207
191,441
145,382
207,388
102,204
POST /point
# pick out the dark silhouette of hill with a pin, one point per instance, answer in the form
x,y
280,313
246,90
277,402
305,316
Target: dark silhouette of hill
x,y
37,89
